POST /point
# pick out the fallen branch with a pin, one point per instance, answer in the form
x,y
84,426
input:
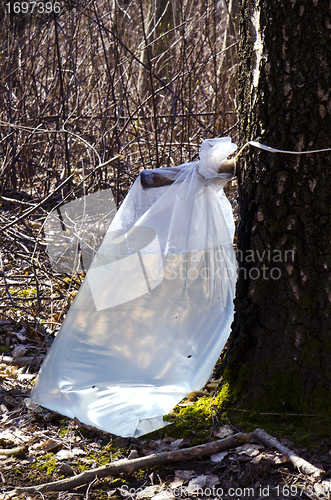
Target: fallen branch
x,y
129,466
19,451
33,361
299,463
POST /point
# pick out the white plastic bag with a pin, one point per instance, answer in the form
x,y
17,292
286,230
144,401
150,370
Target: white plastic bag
x,y
155,309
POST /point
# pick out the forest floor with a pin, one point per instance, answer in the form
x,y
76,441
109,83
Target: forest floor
x,y
52,447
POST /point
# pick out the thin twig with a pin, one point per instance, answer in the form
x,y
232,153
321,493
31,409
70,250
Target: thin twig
x,y
14,305
43,201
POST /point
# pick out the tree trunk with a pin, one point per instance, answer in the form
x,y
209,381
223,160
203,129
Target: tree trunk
x,y
158,25
279,356
229,55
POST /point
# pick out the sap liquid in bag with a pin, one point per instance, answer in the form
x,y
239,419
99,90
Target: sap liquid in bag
x,y
156,306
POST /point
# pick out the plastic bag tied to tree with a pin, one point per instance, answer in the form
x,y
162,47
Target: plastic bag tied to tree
x,y
154,312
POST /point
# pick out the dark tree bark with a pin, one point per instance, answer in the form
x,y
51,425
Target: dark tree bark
x,y
279,358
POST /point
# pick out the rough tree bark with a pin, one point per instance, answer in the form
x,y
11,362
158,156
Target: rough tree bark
x,y
279,358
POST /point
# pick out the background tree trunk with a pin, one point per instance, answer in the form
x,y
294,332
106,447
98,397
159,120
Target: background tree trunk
x,y
279,356
229,56
158,26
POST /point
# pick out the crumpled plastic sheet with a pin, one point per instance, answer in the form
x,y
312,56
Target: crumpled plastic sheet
x,y
155,309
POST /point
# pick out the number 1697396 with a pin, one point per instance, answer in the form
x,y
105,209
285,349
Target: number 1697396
x,y
33,7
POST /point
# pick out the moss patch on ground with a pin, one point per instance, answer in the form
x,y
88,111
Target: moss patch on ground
x,y
46,463
198,421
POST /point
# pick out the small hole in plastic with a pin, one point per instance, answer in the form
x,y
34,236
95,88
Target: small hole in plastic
x,y
93,387
189,356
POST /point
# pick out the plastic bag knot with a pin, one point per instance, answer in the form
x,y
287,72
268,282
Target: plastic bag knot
x,y
212,153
